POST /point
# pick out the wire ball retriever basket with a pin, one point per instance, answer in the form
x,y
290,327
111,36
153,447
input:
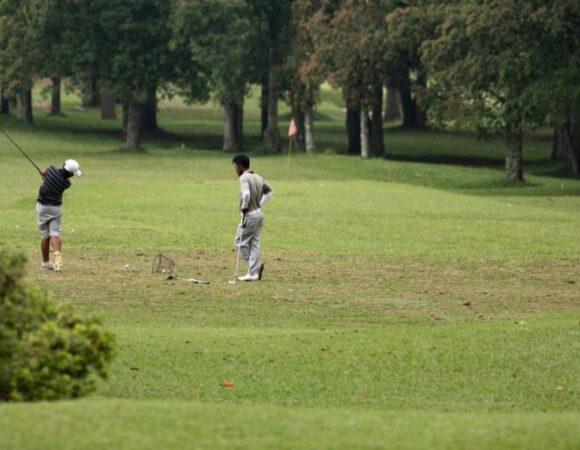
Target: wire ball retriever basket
x,y
162,264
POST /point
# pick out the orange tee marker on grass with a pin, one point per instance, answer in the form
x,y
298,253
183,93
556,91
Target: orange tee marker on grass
x,y
228,384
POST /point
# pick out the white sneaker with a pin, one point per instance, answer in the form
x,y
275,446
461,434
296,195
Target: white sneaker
x,y
47,266
249,277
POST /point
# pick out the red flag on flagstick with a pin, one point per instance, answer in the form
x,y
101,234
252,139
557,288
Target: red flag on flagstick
x,y
292,130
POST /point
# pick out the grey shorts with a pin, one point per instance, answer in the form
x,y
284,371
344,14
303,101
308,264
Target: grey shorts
x,y
49,219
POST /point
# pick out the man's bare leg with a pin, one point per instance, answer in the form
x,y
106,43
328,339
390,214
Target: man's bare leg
x,y
57,244
45,249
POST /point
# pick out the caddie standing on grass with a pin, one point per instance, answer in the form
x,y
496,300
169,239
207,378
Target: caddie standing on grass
x,y
49,210
254,194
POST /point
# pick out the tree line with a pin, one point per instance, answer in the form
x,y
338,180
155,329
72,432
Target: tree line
x,y
500,67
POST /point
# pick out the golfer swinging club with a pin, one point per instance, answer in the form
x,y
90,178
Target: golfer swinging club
x,y
49,210
254,194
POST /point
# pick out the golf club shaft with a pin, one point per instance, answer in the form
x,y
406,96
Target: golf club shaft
x,y
21,151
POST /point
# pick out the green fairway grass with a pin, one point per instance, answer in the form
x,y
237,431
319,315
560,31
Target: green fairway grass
x,y
413,302
178,425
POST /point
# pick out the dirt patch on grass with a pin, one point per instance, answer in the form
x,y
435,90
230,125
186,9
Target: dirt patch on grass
x,y
311,286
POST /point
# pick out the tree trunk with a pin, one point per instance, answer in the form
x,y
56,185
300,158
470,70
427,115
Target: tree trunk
x,y
568,145
24,105
264,107
420,113
233,126
231,143
393,104
299,137
150,112
413,115
90,93
107,105
558,153
309,132
574,147
125,116
240,123
4,103
377,141
134,124
55,106
409,110
272,133
353,131
513,158
364,134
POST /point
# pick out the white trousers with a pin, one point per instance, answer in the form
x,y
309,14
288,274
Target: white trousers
x,y
248,240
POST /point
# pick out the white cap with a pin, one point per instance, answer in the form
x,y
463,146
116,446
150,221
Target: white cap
x,y
71,166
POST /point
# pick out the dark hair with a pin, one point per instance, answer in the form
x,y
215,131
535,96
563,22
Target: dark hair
x,y
242,160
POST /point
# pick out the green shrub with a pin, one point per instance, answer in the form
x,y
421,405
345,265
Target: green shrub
x,y
47,352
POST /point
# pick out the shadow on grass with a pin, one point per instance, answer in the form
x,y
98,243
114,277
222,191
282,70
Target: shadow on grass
x,y
201,141
58,124
318,117
505,184
456,160
551,169
191,141
141,151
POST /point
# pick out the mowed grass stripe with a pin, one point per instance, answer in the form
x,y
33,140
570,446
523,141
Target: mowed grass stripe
x,y
362,217
131,425
459,367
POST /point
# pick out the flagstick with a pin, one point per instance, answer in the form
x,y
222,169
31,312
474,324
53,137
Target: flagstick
x,y
292,130
290,139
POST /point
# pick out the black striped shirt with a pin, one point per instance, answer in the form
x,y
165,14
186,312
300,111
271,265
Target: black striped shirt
x,y
55,183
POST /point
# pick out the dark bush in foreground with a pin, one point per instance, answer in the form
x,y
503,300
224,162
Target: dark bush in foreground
x,y
47,352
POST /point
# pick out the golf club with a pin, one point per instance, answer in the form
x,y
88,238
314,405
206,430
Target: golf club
x,y
163,264
22,151
187,280
235,278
